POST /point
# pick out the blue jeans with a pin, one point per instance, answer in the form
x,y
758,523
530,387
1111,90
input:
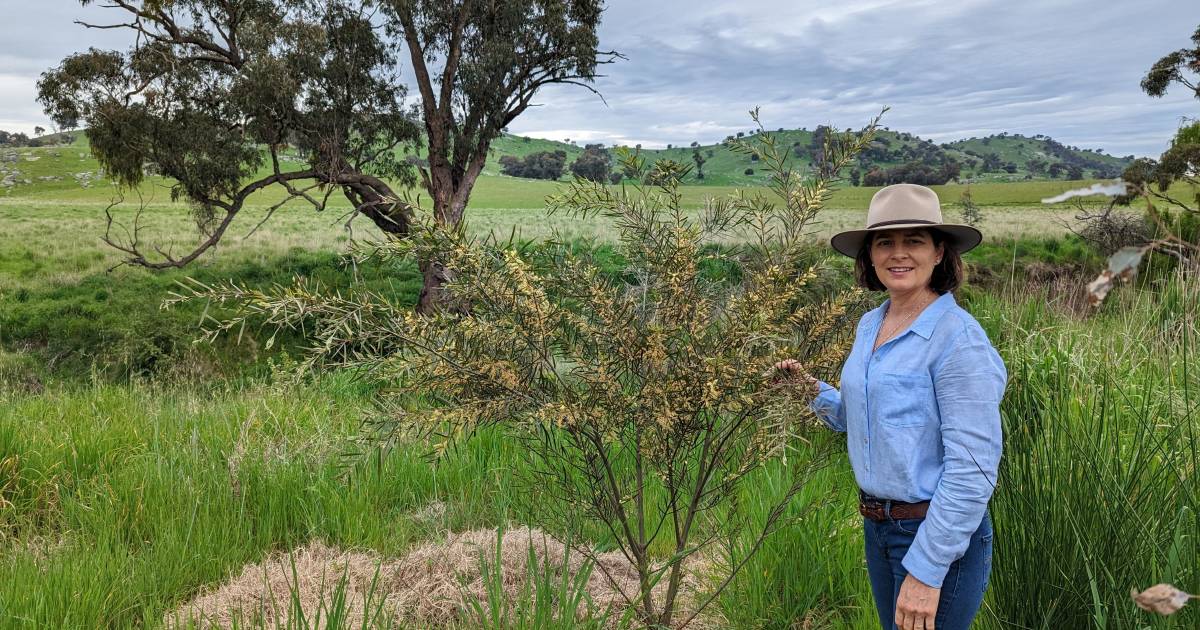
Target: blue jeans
x,y
962,591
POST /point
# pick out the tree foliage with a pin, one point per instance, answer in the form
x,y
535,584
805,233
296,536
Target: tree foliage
x,y
540,165
213,90
593,164
640,396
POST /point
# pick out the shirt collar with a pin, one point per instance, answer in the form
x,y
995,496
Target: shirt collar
x,y
928,318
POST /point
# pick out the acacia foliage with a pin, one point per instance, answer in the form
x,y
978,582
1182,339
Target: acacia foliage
x,y
644,397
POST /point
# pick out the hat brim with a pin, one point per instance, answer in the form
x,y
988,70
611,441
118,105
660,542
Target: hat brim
x,y
964,237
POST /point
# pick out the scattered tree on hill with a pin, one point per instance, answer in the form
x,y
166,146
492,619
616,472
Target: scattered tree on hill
x,y
15,139
748,171
699,160
38,131
855,177
211,90
914,172
1074,172
593,164
540,165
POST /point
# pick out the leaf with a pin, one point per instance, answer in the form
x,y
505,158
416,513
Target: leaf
x,y
1163,599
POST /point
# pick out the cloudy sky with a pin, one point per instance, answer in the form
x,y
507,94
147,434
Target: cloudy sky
x,y
948,70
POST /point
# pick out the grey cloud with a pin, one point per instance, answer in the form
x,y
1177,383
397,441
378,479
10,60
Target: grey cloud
x,y
1066,68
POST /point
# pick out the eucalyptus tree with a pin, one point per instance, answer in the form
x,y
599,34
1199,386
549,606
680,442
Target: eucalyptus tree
x,y
211,93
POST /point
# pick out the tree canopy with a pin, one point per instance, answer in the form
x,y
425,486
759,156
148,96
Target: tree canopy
x,y
213,91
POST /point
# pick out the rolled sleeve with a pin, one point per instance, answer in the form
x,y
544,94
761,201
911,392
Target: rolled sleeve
x,y
828,407
969,383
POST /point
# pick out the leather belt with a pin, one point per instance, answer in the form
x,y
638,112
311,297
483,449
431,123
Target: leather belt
x,y
883,509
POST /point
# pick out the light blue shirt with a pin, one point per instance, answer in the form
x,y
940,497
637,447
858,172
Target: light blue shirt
x,y
922,418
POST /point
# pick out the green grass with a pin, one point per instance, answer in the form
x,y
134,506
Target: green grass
x,y
137,468
122,500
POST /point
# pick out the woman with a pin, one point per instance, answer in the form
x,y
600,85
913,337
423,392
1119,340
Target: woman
x,y
919,401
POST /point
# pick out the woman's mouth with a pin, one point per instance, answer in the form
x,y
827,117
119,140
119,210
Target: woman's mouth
x,y
899,270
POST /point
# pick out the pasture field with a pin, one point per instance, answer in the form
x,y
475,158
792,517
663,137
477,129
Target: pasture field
x,y
137,468
57,174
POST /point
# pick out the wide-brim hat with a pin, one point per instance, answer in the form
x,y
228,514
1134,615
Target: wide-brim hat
x,y
901,206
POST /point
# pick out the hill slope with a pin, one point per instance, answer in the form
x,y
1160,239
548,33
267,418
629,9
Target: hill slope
x,y
1002,157
998,158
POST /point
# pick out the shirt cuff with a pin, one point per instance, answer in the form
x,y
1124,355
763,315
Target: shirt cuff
x,y
826,405
924,568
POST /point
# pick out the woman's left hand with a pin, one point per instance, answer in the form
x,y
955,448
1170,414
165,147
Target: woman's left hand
x,y
917,604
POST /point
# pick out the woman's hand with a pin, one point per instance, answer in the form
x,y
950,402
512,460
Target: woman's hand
x,y
917,604
792,368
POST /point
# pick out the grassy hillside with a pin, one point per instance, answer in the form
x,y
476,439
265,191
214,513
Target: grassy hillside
x,y
1030,157
70,175
1026,152
66,169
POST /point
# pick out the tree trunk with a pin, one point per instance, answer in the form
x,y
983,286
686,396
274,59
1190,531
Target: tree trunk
x,y
434,273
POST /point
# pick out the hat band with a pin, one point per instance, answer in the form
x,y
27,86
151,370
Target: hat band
x,y
898,221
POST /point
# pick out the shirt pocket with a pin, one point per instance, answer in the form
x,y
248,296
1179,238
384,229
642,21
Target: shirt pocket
x,y
903,400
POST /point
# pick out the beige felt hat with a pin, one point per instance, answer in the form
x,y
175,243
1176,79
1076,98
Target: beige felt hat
x,y
905,206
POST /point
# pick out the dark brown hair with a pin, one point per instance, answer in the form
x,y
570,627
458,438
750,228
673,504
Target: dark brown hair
x,y
947,275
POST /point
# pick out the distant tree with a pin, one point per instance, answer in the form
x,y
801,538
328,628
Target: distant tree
x,y
1074,172
855,177
753,157
212,89
971,213
709,152
593,164
699,160
748,171
615,177
669,146
38,131
740,134
695,144
540,165
1055,170
1009,167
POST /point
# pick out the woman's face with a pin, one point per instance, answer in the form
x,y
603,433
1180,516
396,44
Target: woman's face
x,y
904,259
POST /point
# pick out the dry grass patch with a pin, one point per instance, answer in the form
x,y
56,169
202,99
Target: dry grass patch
x,y
433,585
